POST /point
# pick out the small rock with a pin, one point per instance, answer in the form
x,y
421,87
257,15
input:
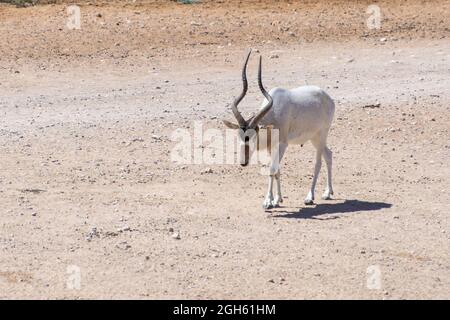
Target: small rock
x,y
156,137
372,106
207,170
91,234
123,245
123,229
176,236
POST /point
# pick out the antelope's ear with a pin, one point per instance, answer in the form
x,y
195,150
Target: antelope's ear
x,y
230,125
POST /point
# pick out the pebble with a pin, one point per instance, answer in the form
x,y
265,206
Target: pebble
x,y
176,236
123,245
372,106
91,234
207,170
123,229
156,137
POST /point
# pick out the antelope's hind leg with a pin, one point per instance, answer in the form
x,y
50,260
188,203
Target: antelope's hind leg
x,y
319,144
327,155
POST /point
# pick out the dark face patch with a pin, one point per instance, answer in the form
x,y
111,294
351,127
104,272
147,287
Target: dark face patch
x,y
246,152
245,135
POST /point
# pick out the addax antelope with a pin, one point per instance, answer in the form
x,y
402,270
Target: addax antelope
x,y
300,115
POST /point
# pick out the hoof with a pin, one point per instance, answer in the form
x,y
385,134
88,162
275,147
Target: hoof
x,y
309,202
267,206
327,195
276,202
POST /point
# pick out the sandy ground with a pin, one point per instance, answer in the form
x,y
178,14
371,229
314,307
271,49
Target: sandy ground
x,y
87,183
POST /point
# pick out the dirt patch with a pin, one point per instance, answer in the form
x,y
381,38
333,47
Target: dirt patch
x,y
15,277
123,32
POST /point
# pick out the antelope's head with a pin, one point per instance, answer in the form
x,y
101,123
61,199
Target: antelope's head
x,y
248,129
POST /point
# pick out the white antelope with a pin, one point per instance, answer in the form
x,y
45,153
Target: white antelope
x,y
300,115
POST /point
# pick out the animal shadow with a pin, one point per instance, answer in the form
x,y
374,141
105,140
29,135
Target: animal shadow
x,y
337,209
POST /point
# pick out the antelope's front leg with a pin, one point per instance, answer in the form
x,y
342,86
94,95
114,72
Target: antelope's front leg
x,y
278,198
268,201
